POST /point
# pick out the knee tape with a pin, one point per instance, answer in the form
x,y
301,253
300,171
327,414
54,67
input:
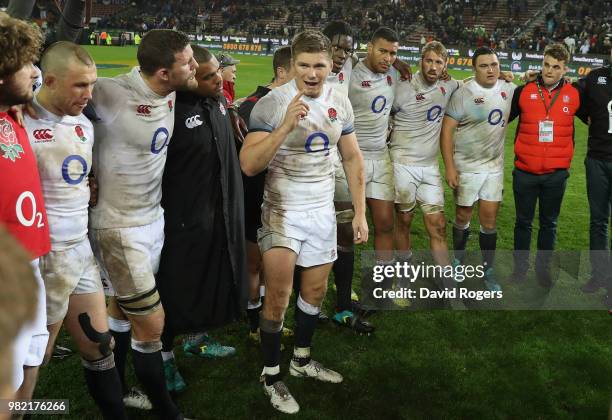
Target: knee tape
x,y
270,326
141,304
432,208
487,231
345,216
102,339
146,346
106,363
306,307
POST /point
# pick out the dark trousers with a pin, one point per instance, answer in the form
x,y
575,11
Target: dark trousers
x,y
599,192
547,190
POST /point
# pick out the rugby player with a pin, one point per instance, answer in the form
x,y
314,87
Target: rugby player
x,y
134,122
22,207
418,111
371,92
62,139
294,131
472,145
254,188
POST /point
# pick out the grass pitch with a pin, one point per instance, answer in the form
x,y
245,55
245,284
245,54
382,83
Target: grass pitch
x,y
428,364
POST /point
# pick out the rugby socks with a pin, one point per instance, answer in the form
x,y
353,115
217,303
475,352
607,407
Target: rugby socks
x,y
297,279
104,387
120,330
488,244
307,318
149,370
253,310
461,234
343,277
270,333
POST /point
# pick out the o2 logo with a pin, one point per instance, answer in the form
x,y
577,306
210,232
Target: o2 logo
x,y
378,104
495,117
322,138
434,114
161,136
33,215
66,174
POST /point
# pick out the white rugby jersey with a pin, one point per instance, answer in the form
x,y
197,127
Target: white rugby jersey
x,y
132,134
419,109
63,148
340,81
483,119
301,175
372,96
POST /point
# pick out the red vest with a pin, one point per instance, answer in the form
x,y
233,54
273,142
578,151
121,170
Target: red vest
x,y
536,157
22,209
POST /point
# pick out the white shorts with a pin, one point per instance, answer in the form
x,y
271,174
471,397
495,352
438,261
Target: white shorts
x,y
310,234
378,181
488,186
68,272
418,184
31,342
130,258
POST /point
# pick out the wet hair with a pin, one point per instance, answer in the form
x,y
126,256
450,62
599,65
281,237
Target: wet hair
x,y
158,47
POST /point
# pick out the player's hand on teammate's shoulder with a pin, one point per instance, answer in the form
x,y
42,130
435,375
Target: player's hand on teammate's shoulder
x,y
404,70
296,110
452,177
508,76
360,229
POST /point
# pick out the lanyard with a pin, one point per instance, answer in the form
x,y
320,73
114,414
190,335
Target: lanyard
x,y
551,102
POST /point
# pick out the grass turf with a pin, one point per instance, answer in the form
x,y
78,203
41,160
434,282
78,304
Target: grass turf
x,y
427,364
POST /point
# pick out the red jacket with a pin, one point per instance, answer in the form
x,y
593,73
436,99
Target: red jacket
x,y
534,156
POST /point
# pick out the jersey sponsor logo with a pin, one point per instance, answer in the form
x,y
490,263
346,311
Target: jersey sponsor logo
x,y
144,110
8,141
375,104
340,77
66,172
602,80
533,97
193,122
80,133
434,113
163,134
44,135
366,84
420,97
332,114
221,108
566,99
322,138
389,80
479,101
495,117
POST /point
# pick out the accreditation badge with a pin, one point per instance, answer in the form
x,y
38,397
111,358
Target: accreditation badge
x,y
546,131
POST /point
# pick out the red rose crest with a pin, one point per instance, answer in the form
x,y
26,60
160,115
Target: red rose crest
x,y
170,104
8,141
80,134
503,95
341,77
442,90
333,115
389,80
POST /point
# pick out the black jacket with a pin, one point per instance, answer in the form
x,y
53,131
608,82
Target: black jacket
x,y
595,94
202,278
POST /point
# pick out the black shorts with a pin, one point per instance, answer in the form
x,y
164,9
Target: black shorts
x,y
253,198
